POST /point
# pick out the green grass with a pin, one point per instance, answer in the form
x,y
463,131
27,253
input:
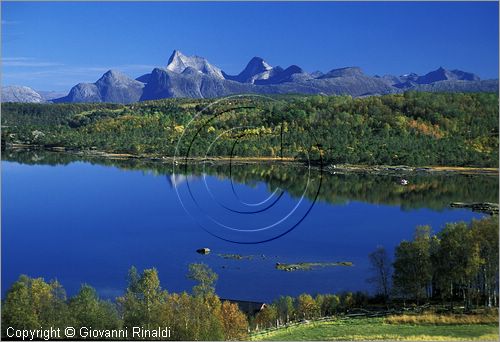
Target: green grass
x,y
375,329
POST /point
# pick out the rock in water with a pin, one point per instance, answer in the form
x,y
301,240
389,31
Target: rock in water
x,y
482,207
204,250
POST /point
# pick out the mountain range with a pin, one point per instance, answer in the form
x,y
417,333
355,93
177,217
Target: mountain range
x,y
195,77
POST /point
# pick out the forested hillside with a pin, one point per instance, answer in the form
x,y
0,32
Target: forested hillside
x,y
413,128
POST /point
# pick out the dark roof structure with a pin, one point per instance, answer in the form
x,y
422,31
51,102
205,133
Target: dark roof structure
x,y
248,307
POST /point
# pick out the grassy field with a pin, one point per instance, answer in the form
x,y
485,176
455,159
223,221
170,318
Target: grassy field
x,y
360,329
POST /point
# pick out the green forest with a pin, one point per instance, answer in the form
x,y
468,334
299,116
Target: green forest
x,y
455,270
414,128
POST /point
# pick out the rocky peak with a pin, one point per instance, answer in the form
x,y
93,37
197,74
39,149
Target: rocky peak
x,y
343,72
257,65
465,76
442,74
178,62
113,74
114,77
411,77
256,69
279,75
20,94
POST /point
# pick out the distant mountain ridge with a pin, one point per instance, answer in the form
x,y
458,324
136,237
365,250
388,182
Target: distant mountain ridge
x,y
24,94
195,77
113,86
20,94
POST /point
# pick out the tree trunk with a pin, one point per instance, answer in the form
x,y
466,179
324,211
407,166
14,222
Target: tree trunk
x,y
464,297
451,296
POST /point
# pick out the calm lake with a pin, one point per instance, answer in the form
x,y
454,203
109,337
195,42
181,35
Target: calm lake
x,y
88,221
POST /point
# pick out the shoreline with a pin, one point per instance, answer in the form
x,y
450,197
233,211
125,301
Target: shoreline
x,y
329,168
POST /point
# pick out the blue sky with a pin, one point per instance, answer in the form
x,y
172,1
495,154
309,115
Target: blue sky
x,y
53,46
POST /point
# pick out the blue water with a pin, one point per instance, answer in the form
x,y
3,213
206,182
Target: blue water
x,y
84,223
